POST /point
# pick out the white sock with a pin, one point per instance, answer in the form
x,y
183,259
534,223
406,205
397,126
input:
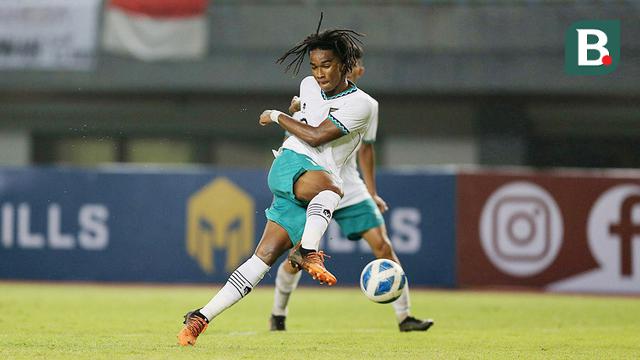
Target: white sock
x,y
285,284
240,283
402,305
319,214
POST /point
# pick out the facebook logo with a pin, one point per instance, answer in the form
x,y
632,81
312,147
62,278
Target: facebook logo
x,y
613,234
625,230
614,229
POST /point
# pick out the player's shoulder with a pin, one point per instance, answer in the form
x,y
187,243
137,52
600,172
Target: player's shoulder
x,y
374,102
309,87
309,82
368,97
361,100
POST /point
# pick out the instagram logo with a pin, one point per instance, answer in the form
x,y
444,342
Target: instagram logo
x,y
521,229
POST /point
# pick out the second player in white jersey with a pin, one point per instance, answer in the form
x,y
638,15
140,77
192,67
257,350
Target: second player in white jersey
x,y
354,188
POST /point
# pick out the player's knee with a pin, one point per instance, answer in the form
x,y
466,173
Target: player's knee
x,y
327,184
309,194
329,187
314,182
336,189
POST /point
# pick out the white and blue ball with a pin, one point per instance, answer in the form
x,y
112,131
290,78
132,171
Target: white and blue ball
x,y
382,281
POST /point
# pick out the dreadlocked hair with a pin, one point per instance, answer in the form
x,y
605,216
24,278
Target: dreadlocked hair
x,y
344,43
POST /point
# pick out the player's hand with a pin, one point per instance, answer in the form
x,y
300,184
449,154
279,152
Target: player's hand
x,y
295,105
382,205
265,118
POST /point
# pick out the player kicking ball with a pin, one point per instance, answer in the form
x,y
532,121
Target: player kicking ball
x,y
358,213
304,177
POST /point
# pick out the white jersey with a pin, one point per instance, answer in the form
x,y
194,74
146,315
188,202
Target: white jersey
x,y
354,188
349,110
356,114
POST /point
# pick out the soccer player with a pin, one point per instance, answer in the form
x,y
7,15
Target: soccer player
x,y
304,176
359,216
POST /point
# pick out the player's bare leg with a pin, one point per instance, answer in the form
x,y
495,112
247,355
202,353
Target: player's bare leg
x,y
381,246
274,242
323,194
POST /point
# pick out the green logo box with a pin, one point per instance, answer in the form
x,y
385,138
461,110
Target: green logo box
x,y
592,47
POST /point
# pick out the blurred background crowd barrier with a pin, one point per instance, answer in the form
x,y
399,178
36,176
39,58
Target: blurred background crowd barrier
x,y
114,113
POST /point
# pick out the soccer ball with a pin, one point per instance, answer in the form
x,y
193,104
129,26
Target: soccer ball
x,y
382,281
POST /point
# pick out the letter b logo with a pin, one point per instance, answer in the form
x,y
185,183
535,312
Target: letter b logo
x,y
592,47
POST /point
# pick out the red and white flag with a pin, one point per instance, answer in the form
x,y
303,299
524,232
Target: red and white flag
x,y
156,29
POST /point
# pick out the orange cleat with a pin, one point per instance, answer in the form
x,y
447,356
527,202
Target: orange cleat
x,y
313,263
194,324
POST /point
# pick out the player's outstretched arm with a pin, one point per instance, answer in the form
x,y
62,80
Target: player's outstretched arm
x,y
314,136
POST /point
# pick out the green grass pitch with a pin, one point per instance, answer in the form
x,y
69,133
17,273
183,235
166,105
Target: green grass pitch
x,y
82,321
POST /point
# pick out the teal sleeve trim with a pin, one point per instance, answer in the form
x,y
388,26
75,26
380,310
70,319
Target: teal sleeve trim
x,y
368,141
339,125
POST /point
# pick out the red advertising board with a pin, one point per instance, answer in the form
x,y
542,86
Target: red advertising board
x,y
560,231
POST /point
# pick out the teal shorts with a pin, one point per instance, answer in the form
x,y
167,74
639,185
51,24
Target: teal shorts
x,y
286,210
356,219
